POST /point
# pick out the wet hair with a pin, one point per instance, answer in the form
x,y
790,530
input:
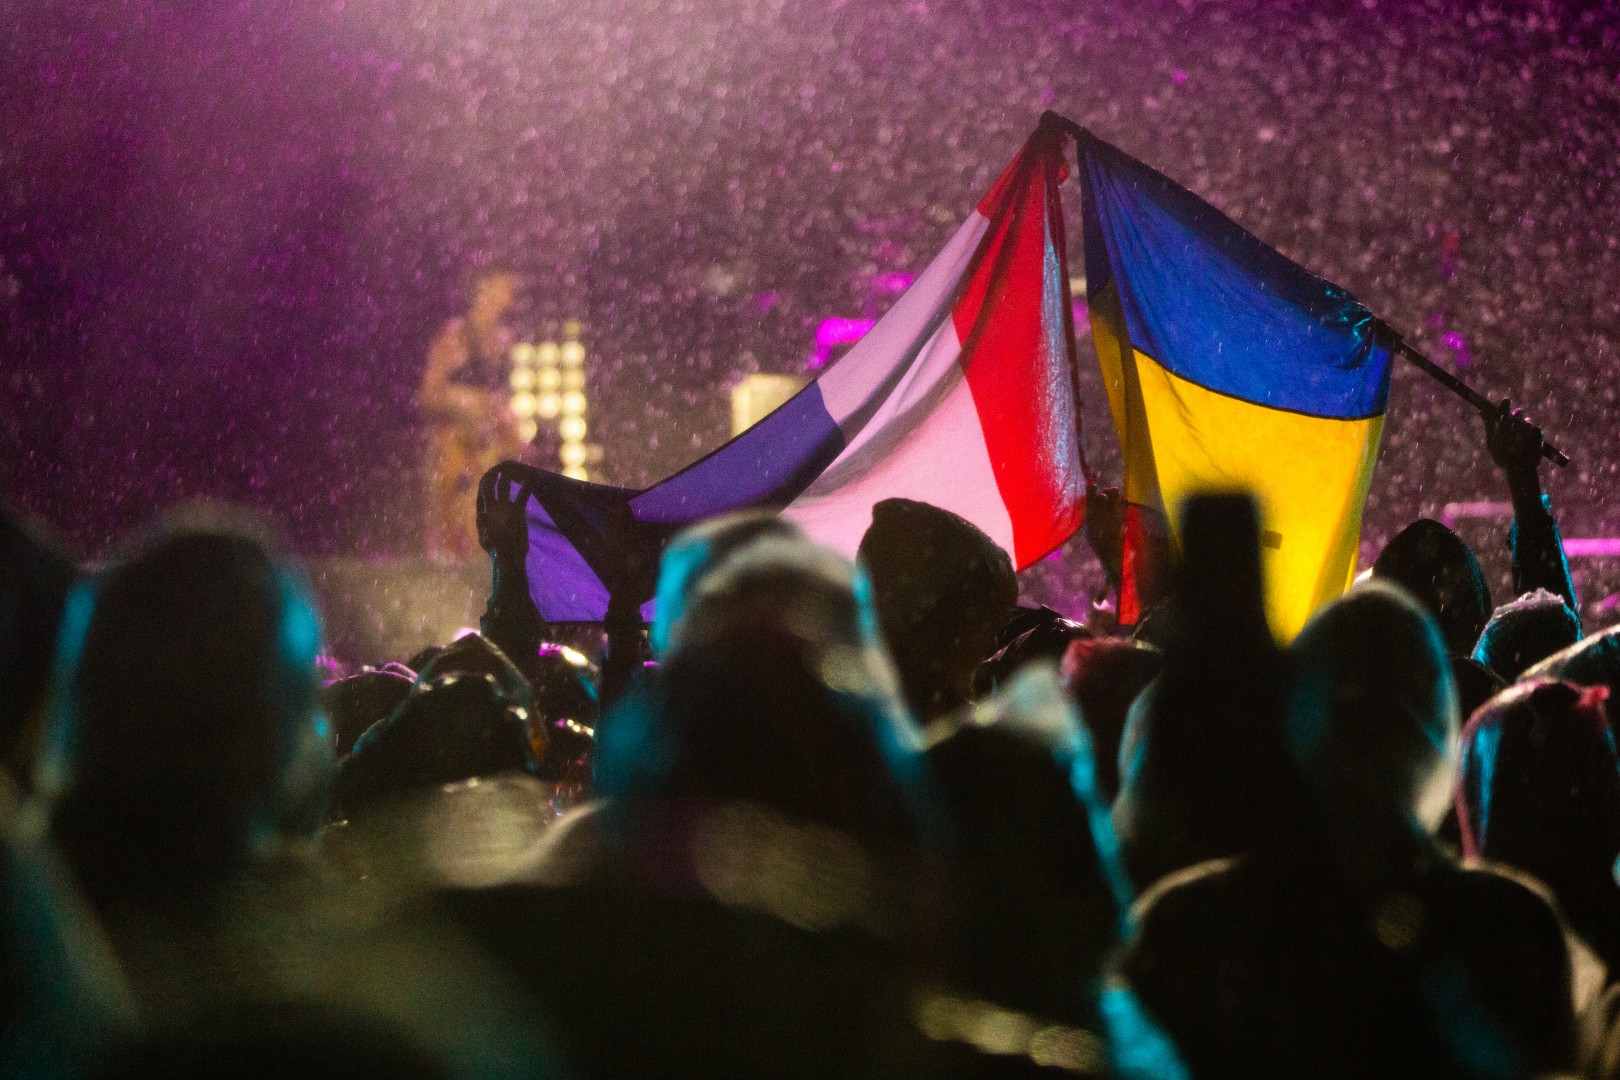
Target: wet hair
x,y
186,725
456,727
1525,632
1105,676
1441,573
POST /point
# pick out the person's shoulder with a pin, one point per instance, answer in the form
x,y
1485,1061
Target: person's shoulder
x,y
1511,912
1184,890
1504,892
1185,915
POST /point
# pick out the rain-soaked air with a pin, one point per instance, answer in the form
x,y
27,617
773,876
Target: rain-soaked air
x,y
800,537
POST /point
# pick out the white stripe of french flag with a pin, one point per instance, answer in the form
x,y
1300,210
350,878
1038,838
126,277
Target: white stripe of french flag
x,y
963,394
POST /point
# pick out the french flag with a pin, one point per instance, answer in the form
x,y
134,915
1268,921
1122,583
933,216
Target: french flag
x,y
962,396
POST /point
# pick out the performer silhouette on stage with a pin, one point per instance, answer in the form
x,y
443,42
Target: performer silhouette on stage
x,y
464,401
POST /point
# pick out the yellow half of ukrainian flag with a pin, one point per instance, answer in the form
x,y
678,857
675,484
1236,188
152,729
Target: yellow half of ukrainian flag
x,y
1230,367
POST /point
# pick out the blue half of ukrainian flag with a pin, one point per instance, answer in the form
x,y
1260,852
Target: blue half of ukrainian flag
x,y
1230,366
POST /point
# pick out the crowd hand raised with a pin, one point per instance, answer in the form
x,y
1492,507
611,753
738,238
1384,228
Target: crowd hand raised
x,y
503,527
1513,441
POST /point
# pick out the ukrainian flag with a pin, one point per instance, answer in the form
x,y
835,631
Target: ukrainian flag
x,y
1229,366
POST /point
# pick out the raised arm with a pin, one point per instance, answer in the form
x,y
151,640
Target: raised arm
x,y
510,619
1538,549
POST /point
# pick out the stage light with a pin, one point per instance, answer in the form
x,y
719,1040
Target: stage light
x,y
573,403
573,354
528,429
546,354
550,379
572,454
573,379
522,379
572,428
524,406
547,406
523,354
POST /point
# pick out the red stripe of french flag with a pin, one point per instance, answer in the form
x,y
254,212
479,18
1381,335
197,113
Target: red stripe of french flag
x,y
963,394
1014,323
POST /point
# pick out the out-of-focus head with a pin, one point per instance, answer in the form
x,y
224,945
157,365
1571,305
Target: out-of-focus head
x,y
457,727
1038,886
187,726
35,576
775,692
786,584
352,705
1104,676
1525,632
695,553
1593,661
942,589
1442,574
1373,716
1204,773
493,294
1539,783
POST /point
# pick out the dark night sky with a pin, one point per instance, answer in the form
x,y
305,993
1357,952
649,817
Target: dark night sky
x,y
228,230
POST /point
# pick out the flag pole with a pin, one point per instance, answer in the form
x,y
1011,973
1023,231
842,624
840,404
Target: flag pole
x,y
1469,394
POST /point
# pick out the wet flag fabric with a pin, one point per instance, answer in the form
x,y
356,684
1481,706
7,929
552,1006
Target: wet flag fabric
x,y
962,395
1229,366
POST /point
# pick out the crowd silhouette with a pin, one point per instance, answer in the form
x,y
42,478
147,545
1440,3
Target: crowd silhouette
x,y
822,818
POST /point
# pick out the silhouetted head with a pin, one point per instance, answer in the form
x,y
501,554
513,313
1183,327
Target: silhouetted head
x,y
1032,634
942,590
1373,713
1593,661
187,728
456,727
695,553
1526,632
1539,783
1104,676
1442,574
352,705
35,576
475,654
776,693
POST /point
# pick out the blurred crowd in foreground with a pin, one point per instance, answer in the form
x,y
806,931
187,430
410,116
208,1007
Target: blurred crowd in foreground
x,y
822,818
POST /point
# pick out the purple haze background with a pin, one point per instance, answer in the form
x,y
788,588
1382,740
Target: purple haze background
x,y
229,230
